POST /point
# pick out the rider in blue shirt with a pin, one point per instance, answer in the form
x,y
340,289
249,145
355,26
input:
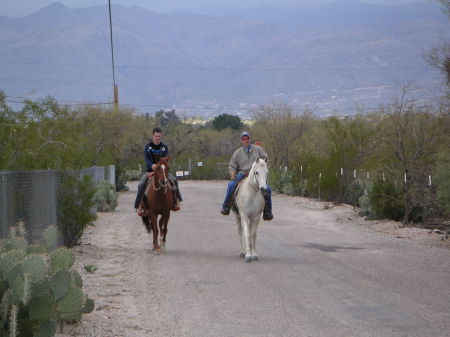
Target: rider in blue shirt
x,y
153,151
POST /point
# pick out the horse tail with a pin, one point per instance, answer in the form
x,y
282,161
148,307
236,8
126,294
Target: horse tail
x,y
147,223
146,219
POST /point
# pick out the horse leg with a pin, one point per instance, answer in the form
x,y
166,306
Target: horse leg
x,y
163,228
253,239
238,222
245,221
154,223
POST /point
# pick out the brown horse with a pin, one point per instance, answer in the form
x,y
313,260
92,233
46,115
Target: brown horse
x,y
158,199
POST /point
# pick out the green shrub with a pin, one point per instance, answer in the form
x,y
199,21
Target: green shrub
x,y
105,197
120,179
38,290
133,175
213,168
76,201
274,179
386,200
442,181
285,183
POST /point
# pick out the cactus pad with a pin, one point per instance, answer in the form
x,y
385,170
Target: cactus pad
x,y
88,305
61,283
77,281
60,259
47,329
36,266
9,260
71,303
41,309
50,237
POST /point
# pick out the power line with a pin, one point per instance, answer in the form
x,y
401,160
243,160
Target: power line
x,y
19,100
158,67
80,103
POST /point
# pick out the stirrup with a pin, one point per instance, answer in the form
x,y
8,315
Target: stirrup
x,y
142,211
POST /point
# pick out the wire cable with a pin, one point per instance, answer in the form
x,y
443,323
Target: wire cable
x,y
158,67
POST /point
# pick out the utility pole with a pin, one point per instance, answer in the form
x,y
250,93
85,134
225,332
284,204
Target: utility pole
x,y
115,86
190,166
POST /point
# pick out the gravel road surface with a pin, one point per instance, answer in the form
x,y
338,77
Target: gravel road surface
x,y
321,273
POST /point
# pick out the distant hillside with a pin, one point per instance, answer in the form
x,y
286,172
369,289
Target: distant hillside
x,y
331,57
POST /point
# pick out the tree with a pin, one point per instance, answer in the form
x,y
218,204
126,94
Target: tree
x,y
224,121
280,130
167,118
439,56
412,137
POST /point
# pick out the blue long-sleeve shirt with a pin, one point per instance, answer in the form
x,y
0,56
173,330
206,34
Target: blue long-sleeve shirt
x,y
152,154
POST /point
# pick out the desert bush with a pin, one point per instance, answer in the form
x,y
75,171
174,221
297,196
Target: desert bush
x,y
105,197
386,200
133,175
76,200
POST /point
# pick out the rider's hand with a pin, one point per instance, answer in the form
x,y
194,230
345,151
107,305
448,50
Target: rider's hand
x,y
233,175
153,167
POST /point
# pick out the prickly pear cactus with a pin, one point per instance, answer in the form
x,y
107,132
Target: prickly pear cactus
x,y
39,290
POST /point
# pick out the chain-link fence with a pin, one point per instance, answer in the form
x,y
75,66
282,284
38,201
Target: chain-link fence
x,y
32,197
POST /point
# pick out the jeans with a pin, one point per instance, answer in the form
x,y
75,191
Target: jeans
x,y
232,186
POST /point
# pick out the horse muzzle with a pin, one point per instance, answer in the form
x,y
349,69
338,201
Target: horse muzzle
x,y
264,191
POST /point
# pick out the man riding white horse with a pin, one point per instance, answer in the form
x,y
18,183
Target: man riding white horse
x,y
240,164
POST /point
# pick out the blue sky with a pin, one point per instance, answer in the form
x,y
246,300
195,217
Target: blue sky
x,y
17,8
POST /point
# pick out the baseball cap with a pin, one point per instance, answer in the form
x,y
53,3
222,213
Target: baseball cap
x,y
245,133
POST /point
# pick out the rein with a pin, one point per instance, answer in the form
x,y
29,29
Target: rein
x,y
161,185
254,182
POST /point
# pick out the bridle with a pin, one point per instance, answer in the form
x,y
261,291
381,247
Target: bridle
x,y
254,180
161,184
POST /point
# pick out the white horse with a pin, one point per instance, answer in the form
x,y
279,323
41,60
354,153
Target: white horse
x,y
248,206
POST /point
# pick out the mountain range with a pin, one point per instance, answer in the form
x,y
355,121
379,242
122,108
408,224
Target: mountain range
x,y
207,61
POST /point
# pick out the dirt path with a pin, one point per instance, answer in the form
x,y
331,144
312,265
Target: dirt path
x,y
321,273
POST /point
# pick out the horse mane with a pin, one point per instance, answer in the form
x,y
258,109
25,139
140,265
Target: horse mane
x,y
256,162
164,161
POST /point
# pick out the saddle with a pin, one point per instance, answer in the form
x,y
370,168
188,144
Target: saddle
x,y
235,193
143,210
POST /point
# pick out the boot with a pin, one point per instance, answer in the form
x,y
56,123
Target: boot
x,y
142,211
226,207
176,206
225,210
267,213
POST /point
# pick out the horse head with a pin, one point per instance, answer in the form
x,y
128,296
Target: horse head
x,y
258,173
162,172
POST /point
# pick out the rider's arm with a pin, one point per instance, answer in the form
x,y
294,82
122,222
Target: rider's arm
x,y
148,159
233,167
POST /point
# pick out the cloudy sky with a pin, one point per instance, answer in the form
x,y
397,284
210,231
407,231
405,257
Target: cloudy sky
x,y
17,8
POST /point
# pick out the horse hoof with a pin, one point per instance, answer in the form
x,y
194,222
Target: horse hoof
x,y
241,255
248,259
163,250
156,251
255,258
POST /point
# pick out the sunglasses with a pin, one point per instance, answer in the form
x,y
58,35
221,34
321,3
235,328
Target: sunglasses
x,y
245,138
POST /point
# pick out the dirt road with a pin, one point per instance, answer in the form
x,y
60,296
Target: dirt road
x,y
322,272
